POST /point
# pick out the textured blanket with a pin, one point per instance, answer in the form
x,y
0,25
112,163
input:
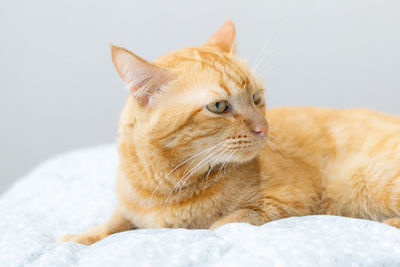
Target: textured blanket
x,y
71,192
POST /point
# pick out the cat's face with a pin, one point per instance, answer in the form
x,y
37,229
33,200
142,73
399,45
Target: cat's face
x,y
197,101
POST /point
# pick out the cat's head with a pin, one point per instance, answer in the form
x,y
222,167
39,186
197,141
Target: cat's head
x,y
194,101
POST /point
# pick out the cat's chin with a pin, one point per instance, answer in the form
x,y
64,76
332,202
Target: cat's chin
x,y
245,156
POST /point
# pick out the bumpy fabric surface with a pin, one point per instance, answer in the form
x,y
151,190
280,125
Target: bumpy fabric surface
x,y
71,192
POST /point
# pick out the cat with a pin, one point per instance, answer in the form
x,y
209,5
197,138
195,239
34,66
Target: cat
x,y
196,150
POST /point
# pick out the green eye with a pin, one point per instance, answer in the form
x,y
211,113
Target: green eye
x,y
257,98
218,107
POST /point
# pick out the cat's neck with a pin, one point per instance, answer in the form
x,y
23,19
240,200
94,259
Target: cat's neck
x,y
163,180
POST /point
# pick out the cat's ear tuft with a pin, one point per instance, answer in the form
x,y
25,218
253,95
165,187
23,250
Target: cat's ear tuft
x,y
224,38
142,78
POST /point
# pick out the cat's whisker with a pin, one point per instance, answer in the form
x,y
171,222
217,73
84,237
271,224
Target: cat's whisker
x,y
275,139
225,161
222,143
260,54
225,164
192,171
179,165
192,158
263,49
203,162
216,162
274,146
261,61
217,155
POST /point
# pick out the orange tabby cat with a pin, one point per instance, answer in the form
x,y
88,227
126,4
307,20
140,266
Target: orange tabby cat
x,y
196,150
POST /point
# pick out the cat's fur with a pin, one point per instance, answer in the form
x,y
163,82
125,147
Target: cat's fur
x,y
183,166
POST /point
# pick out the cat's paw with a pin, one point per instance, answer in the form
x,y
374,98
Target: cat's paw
x,y
219,223
393,222
84,239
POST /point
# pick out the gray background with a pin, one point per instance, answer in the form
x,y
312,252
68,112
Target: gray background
x,y
59,91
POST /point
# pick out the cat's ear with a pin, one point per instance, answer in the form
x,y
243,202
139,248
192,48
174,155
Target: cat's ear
x,y
224,38
142,78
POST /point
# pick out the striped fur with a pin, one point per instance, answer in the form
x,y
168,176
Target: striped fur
x,y
183,166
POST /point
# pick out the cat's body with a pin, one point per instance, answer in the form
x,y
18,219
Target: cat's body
x,y
353,156
343,168
187,163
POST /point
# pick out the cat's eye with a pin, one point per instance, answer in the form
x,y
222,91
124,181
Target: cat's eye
x,y
218,107
257,98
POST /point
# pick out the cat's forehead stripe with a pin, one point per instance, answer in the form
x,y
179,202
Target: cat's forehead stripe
x,y
225,67
235,75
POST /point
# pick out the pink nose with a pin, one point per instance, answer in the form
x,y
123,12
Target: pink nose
x,y
261,130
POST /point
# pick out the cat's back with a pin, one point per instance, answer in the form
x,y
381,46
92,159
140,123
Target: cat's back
x,y
323,116
353,153
324,138
331,130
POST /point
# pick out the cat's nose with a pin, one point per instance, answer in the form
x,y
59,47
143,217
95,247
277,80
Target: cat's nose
x,y
261,130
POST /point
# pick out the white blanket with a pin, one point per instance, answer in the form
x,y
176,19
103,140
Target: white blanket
x,y
71,192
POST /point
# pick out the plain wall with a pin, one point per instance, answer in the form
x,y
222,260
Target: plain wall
x,y
59,90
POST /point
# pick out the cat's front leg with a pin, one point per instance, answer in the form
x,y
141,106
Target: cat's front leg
x,y
117,223
251,215
271,208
